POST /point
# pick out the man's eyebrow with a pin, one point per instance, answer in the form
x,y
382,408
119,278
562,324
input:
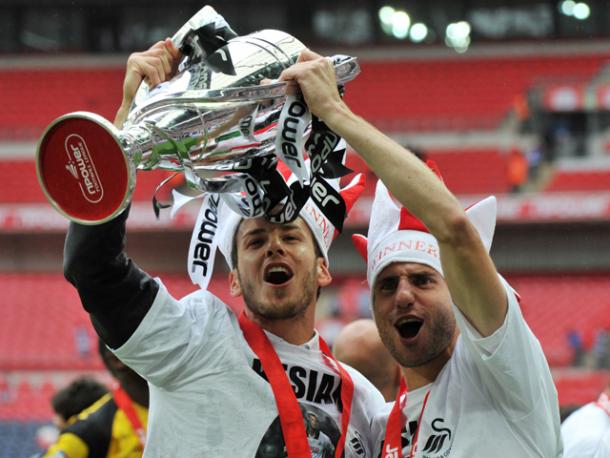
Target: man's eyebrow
x,y
290,227
422,272
261,230
255,231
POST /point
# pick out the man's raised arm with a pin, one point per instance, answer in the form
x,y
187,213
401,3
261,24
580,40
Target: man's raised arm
x,y
112,288
469,271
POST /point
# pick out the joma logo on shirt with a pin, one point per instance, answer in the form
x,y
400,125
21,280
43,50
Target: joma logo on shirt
x,y
308,384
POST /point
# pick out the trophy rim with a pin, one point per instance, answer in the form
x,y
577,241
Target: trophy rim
x,y
114,133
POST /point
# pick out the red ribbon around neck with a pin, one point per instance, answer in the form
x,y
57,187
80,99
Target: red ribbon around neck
x,y
392,443
124,402
291,418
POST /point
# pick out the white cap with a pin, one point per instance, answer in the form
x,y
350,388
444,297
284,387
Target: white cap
x,y
395,235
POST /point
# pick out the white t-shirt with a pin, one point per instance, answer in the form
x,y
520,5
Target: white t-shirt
x,y
207,397
586,433
494,398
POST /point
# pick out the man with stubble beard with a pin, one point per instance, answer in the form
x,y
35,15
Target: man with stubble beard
x,y
479,384
223,385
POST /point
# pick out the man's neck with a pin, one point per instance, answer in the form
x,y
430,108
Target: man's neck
x,y
419,376
297,330
137,390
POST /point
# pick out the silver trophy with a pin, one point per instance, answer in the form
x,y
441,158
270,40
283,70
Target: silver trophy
x,y
218,121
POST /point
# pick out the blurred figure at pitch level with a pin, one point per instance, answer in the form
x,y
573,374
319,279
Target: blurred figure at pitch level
x,y
114,426
74,398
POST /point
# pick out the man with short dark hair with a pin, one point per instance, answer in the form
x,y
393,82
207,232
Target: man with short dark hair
x,y
223,385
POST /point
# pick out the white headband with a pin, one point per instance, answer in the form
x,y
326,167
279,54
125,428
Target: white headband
x,y
397,236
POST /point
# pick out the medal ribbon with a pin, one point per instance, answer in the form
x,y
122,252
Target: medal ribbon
x,y
392,444
124,402
291,418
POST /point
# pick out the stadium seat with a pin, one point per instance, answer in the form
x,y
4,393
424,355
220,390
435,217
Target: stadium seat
x,y
472,171
405,94
455,93
19,183
579,388
32,98
555,304
566,181
45,327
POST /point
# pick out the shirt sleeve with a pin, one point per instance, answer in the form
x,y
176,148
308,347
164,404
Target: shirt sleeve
x,y
510,362
112,288
179,341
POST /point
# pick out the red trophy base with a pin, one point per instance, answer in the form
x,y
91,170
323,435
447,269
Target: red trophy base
x,y
83,170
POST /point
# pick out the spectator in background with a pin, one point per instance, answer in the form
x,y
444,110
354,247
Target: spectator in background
x,y
82,341
601,349
74,398
534,160
576,345
517,168
115,425
586,432
359,345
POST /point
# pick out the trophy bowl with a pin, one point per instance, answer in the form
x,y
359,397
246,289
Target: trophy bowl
x,y
219,111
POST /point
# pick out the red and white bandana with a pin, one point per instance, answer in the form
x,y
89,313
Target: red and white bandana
x,y
395,235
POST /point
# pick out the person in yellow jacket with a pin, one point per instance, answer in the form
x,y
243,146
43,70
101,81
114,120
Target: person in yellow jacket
x,y
112,427
71,400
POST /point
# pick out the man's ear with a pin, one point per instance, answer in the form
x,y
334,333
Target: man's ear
x,y
324,276
234,285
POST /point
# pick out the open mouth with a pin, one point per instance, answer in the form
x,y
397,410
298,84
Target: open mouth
x,y
408,327
277,275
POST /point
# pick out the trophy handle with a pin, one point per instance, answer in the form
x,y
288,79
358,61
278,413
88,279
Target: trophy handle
x,y
83,169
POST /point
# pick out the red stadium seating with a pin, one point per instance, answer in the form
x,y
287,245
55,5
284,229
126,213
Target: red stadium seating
x,y
26,402
32,98
593,180
465,171
45,327
43,315
455,93
19,184
428,93
578,388
472,171
555,304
